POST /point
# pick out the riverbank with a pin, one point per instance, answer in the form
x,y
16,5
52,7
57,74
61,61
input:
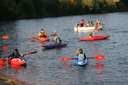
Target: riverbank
x,y
6,80
48,16
44,8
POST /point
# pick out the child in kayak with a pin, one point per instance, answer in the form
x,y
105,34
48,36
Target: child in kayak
x,y
15,54
42,33
82,59
90,35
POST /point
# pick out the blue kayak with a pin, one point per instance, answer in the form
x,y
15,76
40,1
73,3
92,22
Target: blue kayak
x,y
54,46
79,63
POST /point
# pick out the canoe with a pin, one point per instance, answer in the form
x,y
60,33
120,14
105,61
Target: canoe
x,y
54,46
94,38
42,39
86,29
17,62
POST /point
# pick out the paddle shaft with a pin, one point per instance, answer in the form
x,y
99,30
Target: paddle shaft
x,y
31,52
68,59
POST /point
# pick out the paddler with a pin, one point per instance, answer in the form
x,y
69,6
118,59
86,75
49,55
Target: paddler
x,y
82,59
90,35
56,38
42,33
15,54
82,23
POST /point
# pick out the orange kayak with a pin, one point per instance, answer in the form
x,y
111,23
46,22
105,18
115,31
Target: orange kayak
x,y
43,39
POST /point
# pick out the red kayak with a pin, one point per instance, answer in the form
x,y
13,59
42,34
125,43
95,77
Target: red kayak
x,y
94,38
2,61
17,62
14,61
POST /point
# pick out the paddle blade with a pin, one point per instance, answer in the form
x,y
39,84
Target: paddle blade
x,y
100,57
67,58
5,37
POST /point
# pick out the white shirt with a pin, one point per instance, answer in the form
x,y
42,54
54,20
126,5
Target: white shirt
x,y
81,60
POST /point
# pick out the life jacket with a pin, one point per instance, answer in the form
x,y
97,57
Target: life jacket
x,y
42,34
82,59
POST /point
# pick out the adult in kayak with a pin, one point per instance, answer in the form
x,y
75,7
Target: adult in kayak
x,y
14,54
56,38
82,59
42,33
98,24
82,23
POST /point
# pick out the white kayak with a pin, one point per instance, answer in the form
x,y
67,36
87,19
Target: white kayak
x,y
86,29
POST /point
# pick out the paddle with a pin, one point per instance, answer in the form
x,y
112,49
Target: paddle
x,y
68,58
30,52
97,57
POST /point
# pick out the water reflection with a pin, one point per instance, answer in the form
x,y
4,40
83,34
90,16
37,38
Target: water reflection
x,y
5,49
17,68
100,71
99,67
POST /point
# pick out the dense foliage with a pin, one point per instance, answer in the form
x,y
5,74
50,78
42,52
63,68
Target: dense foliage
x,y
15,9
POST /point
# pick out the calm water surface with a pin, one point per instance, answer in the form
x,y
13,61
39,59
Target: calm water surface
x,y
45,68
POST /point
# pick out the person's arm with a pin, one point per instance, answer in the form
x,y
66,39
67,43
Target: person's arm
x,y
77,53
11,55
85,56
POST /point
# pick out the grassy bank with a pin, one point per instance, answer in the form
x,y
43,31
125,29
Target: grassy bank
x,y
6,80
19,9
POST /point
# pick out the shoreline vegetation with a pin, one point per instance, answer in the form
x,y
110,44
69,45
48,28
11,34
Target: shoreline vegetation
x,y
27,9
6,80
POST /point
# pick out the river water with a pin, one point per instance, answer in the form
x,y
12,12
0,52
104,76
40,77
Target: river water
x,y
45,68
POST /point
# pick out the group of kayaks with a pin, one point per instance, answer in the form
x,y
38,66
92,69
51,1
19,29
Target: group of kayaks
x,y
47,44
61,45
21,62
90,38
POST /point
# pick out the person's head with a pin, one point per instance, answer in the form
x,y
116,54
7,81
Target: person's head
x,y
91,33
42,29
16,50
82,19
55,33
81,50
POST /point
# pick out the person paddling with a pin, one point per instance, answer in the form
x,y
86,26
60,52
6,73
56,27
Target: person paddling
x,y
42,33
82,23
56,38
90,35
82,59
14,54
98,24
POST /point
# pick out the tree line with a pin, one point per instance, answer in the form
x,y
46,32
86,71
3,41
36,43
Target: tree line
x,y
16,9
